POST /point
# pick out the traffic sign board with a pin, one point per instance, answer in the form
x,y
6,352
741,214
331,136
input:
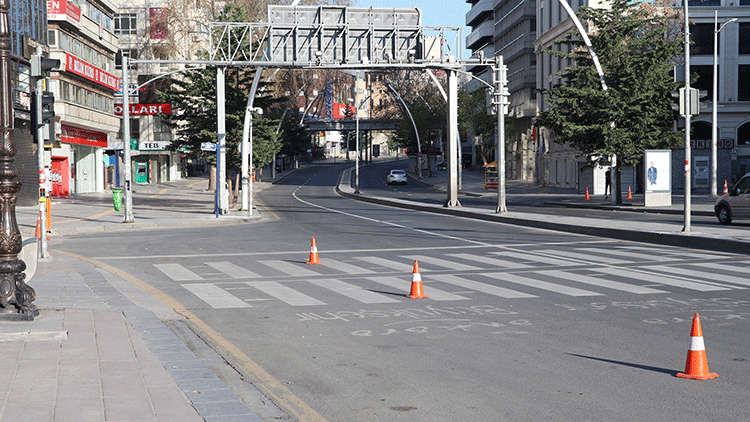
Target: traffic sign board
x,y
208,146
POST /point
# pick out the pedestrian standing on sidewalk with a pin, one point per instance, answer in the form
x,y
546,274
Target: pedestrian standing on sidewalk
x,y
607,183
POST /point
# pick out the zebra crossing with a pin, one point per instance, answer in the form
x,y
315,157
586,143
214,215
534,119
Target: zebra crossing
x,y
507,274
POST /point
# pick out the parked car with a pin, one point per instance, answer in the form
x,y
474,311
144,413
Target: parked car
x,y
736,203
396,176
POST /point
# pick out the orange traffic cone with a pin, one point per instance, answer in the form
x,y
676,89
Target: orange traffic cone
x,y
726,188
630,193
696,366
38,233
416,284
314,253
588,198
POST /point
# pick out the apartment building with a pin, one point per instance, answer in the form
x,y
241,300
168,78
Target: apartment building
x,y
28,27
160,30
80,35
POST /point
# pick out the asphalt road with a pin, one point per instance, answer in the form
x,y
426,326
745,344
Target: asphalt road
x,y
520,324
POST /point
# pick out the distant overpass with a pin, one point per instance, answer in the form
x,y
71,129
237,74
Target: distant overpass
x,y
320,125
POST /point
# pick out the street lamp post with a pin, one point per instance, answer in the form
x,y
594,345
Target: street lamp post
x,y
16,296
714,107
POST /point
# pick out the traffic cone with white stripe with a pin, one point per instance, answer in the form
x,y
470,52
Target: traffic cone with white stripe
x,y
38,233
696,366
587,197
314,253
726,187
416,284
630,193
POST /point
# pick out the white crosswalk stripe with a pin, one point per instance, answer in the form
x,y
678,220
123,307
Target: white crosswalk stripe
x,y
177,272
543,285
491,261
387,263
582,257
615,285
526,257
662,279
451,265
232,270
405,286
724,267
480,287
620,253
284,293
288,268
344,267
355,292
724,278
215,296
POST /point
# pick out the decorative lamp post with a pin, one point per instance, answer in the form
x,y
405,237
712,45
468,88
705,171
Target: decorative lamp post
x,y
16,296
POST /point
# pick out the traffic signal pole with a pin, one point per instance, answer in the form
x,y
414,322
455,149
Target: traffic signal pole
x,y
38,88
128,191
42,129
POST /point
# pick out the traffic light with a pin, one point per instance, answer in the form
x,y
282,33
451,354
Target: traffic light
x,y
41,66
43,114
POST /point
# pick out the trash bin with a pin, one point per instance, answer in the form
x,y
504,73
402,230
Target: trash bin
x,y
117,198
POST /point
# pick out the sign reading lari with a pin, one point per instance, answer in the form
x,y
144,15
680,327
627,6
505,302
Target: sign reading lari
x,y
145,109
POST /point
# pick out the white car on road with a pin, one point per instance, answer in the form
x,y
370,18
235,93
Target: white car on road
x,y
396,176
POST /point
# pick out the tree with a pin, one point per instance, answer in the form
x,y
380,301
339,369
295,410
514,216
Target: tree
x,y
634,114
473,118
193,99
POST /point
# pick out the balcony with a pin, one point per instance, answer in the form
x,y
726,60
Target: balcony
x,y
482,34
481,7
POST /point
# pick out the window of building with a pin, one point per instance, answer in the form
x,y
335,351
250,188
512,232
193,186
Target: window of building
x,y
743,45
125,23
162,130
704,3
703,38
744,2
743,82
705,80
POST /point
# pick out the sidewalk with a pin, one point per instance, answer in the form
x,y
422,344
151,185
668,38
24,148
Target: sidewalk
x,y
734,238
101,348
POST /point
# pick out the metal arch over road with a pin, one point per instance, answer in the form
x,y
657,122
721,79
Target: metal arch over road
x,y
350,124
329,37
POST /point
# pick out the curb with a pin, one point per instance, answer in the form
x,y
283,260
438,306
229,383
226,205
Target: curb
x,y
688,240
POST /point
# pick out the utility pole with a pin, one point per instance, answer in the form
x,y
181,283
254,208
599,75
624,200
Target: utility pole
x,y
688,110
500,100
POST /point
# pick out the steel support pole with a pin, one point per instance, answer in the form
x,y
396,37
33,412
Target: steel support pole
x,y
452,188
688,188
16,296
221,150
128,191
500,100
247,146
39,87
714,103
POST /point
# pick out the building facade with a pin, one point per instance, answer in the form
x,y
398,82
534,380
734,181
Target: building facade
x,y
547,162
81,36
28,26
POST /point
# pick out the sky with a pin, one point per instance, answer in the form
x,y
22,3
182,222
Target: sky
x,y
434,12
